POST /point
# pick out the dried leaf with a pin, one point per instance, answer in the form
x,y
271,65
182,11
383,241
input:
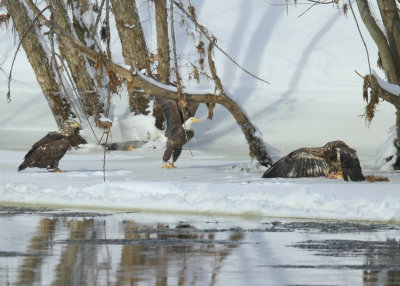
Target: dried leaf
x,y
192,12
4,18
379,62
200,48
211,107
196,74
182,103
95,7
345,8
201,63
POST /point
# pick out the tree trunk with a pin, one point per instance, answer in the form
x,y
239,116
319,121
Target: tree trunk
x,y
389,50
396,142
256,144
83,32
169,108
77,64
391,21
163,67
134,48
379,37
161,106
59,106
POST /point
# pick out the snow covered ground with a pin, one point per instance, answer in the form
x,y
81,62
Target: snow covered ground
x,y
314,97
210,182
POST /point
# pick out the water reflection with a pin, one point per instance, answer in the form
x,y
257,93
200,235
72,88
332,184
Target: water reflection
x,y
38,249
77,251
383,261
91,249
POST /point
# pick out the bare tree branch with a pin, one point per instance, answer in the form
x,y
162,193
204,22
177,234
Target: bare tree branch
x,y
379,37
210,38
362,38
151,86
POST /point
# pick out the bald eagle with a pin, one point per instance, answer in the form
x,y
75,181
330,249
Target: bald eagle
x,y
335,159
180,135
48,151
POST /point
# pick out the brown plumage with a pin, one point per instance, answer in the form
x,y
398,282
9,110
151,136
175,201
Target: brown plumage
x,y
48,151
332,159
180,135
176,123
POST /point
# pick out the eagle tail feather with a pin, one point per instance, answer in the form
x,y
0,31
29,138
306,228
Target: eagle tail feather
x,y
22,166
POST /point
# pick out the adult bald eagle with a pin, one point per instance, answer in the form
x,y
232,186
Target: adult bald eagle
x,y
48,151
180,135
334,159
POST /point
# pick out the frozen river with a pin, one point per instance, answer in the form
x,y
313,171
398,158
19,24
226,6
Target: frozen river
x,y
64,247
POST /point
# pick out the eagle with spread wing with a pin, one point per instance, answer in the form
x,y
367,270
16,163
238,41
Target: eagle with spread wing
x,y
334,160
48,151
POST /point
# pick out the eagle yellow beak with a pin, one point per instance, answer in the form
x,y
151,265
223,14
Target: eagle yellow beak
x,y
73,124
195,119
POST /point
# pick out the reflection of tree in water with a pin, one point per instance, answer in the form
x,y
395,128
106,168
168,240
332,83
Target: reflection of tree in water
x,y
384,263
182,249
77,259
153,253
29,271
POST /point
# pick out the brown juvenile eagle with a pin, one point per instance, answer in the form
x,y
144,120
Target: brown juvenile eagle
x,y
48,151
335,159
180,135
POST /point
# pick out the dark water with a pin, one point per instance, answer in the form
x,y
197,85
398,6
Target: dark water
x,y
53,247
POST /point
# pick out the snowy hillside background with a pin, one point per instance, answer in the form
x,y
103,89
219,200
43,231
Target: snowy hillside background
x,y
314,97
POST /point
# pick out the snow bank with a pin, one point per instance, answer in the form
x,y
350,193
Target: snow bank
x,y
386,154
273,198
208,182
314,97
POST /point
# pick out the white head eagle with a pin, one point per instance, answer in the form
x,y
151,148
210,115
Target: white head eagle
x,y
180,135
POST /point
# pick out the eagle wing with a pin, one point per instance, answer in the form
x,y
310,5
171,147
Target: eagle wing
x,y
50,137
350,165
305,162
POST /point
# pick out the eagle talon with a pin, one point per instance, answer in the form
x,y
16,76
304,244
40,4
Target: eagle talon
x,y
165,165
172,165
55,170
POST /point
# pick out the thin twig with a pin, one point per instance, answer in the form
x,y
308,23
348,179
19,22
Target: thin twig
x,y
362,38
300,3
205,33
359,74
76,91
108,65
181,99
178,77
308,9
97,20
16,53
53,63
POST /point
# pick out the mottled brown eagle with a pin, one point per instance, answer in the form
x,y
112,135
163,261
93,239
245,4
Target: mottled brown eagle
x,y
48,151
180,135
334,160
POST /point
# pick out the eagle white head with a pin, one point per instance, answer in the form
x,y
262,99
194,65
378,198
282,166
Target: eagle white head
x,y
189,122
